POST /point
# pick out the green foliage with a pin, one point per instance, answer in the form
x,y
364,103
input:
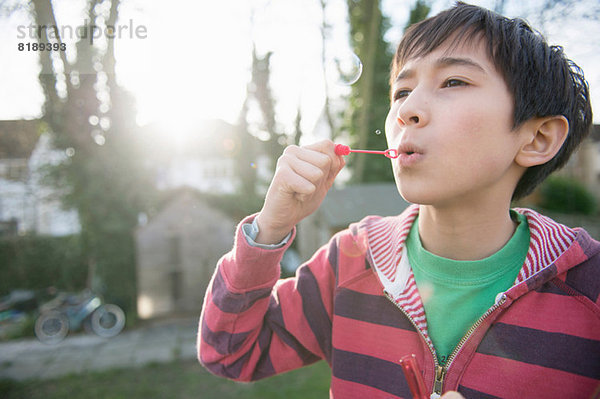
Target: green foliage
x,y
561,194
37,262
419,12
369,100
108,189
21,329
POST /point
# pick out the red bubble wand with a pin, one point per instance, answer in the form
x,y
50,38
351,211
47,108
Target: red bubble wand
x,y
416,384
341,149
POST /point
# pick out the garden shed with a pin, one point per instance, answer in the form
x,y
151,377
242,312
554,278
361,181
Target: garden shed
x,y
177,251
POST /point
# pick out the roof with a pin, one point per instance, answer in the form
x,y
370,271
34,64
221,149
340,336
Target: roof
x,y
352,203
18,138
187,201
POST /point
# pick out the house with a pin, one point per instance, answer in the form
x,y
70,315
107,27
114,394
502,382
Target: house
x,y
17,141
343,206
205,155
177,251
27,205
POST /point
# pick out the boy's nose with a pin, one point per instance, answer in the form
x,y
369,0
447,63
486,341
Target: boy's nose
x,y
412,112
414,109
413,119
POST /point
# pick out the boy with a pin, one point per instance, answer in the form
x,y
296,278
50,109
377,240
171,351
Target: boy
x,y
493,302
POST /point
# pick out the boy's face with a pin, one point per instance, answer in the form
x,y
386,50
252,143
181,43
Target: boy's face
x,y
453,111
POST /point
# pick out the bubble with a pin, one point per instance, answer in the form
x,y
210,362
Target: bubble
x,y
70,151
354,246
378,132
252,165
343,68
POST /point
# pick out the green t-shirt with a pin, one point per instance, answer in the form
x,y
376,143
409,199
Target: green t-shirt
x,y
457,293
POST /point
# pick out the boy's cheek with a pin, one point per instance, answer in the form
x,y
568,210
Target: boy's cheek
x,y
391,131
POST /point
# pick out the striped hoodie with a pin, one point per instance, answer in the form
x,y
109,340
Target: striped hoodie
x,y
356,305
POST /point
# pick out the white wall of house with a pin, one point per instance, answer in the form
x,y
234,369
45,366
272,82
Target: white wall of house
x,y
35,206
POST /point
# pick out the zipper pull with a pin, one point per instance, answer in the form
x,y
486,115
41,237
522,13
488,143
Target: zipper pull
x,y
440,372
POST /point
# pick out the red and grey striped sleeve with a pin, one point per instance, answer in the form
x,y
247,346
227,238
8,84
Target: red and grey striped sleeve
x,y
254,325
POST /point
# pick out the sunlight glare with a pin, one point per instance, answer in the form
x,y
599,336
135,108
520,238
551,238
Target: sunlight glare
x,y
189,67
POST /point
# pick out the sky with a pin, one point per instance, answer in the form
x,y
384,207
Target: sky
x,y
193,60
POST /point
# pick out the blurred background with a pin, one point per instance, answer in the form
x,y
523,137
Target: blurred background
x,y
135,140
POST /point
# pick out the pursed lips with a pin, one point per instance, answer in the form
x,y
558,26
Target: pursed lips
x,y
409,154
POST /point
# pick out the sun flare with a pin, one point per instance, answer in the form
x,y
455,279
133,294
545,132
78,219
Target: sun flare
x,y
188,69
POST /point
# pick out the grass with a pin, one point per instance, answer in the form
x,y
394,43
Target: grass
x,y
177,380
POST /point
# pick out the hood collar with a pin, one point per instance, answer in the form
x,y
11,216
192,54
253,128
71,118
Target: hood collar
x,y
386,238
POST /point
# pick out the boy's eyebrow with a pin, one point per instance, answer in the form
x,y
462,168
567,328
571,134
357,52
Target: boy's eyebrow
x,y
440,63
450,61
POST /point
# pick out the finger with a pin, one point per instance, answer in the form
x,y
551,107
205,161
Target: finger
x,y
339,166
292,182
307,170
324,146
321,154
310,155
334,164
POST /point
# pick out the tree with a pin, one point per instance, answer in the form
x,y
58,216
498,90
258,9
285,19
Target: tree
x,y
368,100
246,160
327,109
261,92
92,119
419,12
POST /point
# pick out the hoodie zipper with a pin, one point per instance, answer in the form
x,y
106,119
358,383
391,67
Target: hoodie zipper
x,y
429,345
440,371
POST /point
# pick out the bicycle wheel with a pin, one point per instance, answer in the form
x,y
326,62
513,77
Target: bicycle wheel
x,y
108,320
51,327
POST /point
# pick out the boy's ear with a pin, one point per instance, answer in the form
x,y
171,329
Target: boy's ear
x,y
543,138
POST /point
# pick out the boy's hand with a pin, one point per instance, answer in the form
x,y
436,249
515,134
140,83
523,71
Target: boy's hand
x,y
302,178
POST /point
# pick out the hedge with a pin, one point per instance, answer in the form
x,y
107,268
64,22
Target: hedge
x,y
38,262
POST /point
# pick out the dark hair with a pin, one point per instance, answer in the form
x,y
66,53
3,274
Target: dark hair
x,y
542,80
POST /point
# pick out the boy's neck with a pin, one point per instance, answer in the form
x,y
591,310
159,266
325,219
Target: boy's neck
x,y
465,233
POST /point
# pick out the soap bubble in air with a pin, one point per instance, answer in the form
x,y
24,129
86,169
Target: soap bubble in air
x,y
355,245
343,68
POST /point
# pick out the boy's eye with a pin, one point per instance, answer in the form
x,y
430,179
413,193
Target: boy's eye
x,y
454,83
398,94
